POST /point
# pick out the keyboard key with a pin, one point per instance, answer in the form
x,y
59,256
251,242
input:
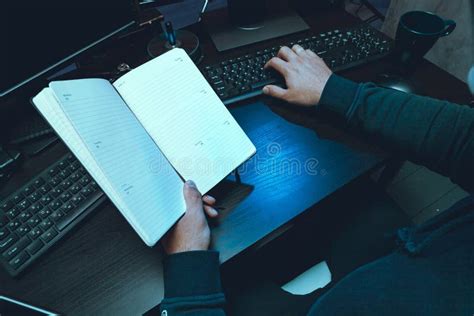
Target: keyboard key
x,y
15,249
7,242
35,208
45,212
45,200
34,221
66,196
261,84
94,186
76,188
74,166
17,198
28,190
45,188
64,174
244,89
57,215
55,205
23,205
68,207
56,192
35,233
76,176
85,180
38,182
53,171
4,232
69,218
46,224
49,235
55,181
63,165
13,225
23,230
223,95
36,196
87,191
23,217
14,212
66,184
77,199
35,246
18,261
71,169
71,158
7,205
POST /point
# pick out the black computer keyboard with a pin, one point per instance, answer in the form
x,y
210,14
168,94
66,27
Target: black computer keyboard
x,y
40,213
243,77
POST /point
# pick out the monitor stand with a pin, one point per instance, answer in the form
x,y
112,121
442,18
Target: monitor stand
x,y
226,35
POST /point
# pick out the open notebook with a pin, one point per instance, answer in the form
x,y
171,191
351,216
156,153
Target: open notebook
x,y
141,137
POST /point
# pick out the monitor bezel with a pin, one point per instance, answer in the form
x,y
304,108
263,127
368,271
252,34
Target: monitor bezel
x,y
65,60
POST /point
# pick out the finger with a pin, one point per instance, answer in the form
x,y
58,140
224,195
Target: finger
x,y
286,53
210,211
311,53
209,200
278,64
298,50
275,91
192,196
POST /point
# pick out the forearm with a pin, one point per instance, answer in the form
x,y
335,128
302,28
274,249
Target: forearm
x,y
435,133
192,284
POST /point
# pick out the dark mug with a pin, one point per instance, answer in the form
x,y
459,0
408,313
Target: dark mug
x,y
417,32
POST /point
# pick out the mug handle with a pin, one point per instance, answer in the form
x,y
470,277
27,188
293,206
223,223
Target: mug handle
x,y
449,26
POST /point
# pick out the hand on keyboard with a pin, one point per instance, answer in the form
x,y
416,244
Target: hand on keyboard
x,y
243,77
305,75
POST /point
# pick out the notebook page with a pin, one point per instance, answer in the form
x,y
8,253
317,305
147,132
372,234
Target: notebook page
x,y
46,103
185,118
149,188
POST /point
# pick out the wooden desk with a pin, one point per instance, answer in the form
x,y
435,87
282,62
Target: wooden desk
x,y
104,268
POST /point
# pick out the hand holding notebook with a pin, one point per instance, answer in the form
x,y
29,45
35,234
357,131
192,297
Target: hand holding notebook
x,y
140,137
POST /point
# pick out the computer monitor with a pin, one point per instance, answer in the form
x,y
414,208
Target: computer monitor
x,y
247,13
39,36
253,21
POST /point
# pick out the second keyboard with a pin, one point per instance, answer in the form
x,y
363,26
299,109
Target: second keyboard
x,y
244,77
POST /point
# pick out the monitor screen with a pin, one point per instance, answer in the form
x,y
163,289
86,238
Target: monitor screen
x,y
39,35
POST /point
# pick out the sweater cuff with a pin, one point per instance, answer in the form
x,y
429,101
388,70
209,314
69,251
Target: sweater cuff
x,y
192,273
339,94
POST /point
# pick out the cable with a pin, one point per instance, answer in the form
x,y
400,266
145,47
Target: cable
x,y
204,8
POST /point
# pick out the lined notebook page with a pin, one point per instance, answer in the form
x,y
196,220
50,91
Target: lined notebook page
x,y
148,188
185,117
46,103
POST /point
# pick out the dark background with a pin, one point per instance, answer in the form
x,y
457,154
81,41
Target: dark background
x,y
33,38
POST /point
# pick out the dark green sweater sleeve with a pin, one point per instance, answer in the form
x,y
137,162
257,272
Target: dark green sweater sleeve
x,y
435,133
192,284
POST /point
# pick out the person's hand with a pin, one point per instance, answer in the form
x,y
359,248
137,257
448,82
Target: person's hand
x,y
305,75
192,231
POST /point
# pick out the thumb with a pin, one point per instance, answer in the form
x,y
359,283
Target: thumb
x,y
192,196
275,91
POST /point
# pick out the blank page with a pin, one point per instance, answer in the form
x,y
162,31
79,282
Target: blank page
x,y
148,189
186,118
